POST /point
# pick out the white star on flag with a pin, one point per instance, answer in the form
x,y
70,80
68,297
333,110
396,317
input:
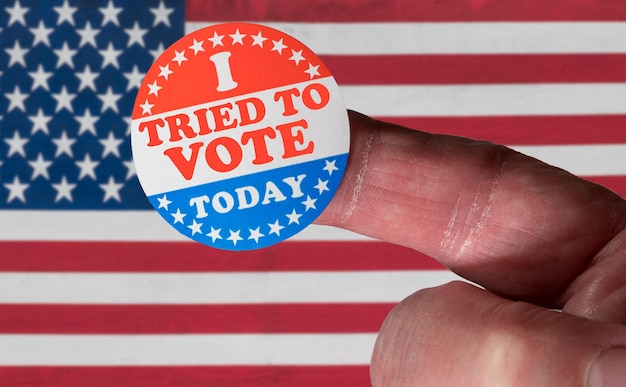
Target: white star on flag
x,y
64,190
66,13
87,167
41,34
111,190
161,15
16,190
110,14
16,14
40,167
17,54
87,35
40,122
40,78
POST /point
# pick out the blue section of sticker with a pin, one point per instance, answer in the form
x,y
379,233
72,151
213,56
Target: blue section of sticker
x,y
253,211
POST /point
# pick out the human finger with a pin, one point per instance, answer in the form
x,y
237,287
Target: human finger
x,y
514,224
460,335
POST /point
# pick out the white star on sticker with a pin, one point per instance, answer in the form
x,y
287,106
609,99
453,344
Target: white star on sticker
x,y
16,14
87,35
234,237
296,56
109,56
40,78
111,190
87,79
16,99
214,234
255,234
64,145
87,167
111,145
330,167
278,46
146,107
294,217
165,71
258,39
216,39
64,100
17,54
109,100
135,35
109,14
178,216
195,228
66,13
161,15
40,167
16,145
65,55
309,203
64,190
179,57
164,202
41,34
154,88
322,185
312,70
16,190
275,227
87,123
237,37
134,78
40,122
130,169
197,46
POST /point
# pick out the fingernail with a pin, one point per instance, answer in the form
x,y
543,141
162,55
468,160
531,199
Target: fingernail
x,y
608,369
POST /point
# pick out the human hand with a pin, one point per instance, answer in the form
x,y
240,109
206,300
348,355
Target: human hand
x,y
534,236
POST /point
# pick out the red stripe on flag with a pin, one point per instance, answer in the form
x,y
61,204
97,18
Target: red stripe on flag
x,y
405,11
525,130
156,257
475,69
616,184
197,319
191,376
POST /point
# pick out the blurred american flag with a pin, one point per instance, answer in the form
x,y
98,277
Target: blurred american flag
x,y
95,289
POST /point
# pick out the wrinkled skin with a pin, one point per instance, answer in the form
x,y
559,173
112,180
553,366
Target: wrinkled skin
x,y
533,236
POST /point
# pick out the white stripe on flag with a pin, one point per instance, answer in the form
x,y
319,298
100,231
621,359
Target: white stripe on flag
x,y
487,100
452,38
131,226
582,160
188,349
216,288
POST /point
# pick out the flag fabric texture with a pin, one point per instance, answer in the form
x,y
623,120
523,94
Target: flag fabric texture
x,y
95,289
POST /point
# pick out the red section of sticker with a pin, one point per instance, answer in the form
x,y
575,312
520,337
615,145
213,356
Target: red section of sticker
x,y
224,61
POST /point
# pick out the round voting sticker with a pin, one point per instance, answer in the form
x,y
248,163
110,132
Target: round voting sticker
x,y
239,136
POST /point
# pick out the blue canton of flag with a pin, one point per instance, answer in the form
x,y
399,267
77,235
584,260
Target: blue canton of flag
x,y
70,72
